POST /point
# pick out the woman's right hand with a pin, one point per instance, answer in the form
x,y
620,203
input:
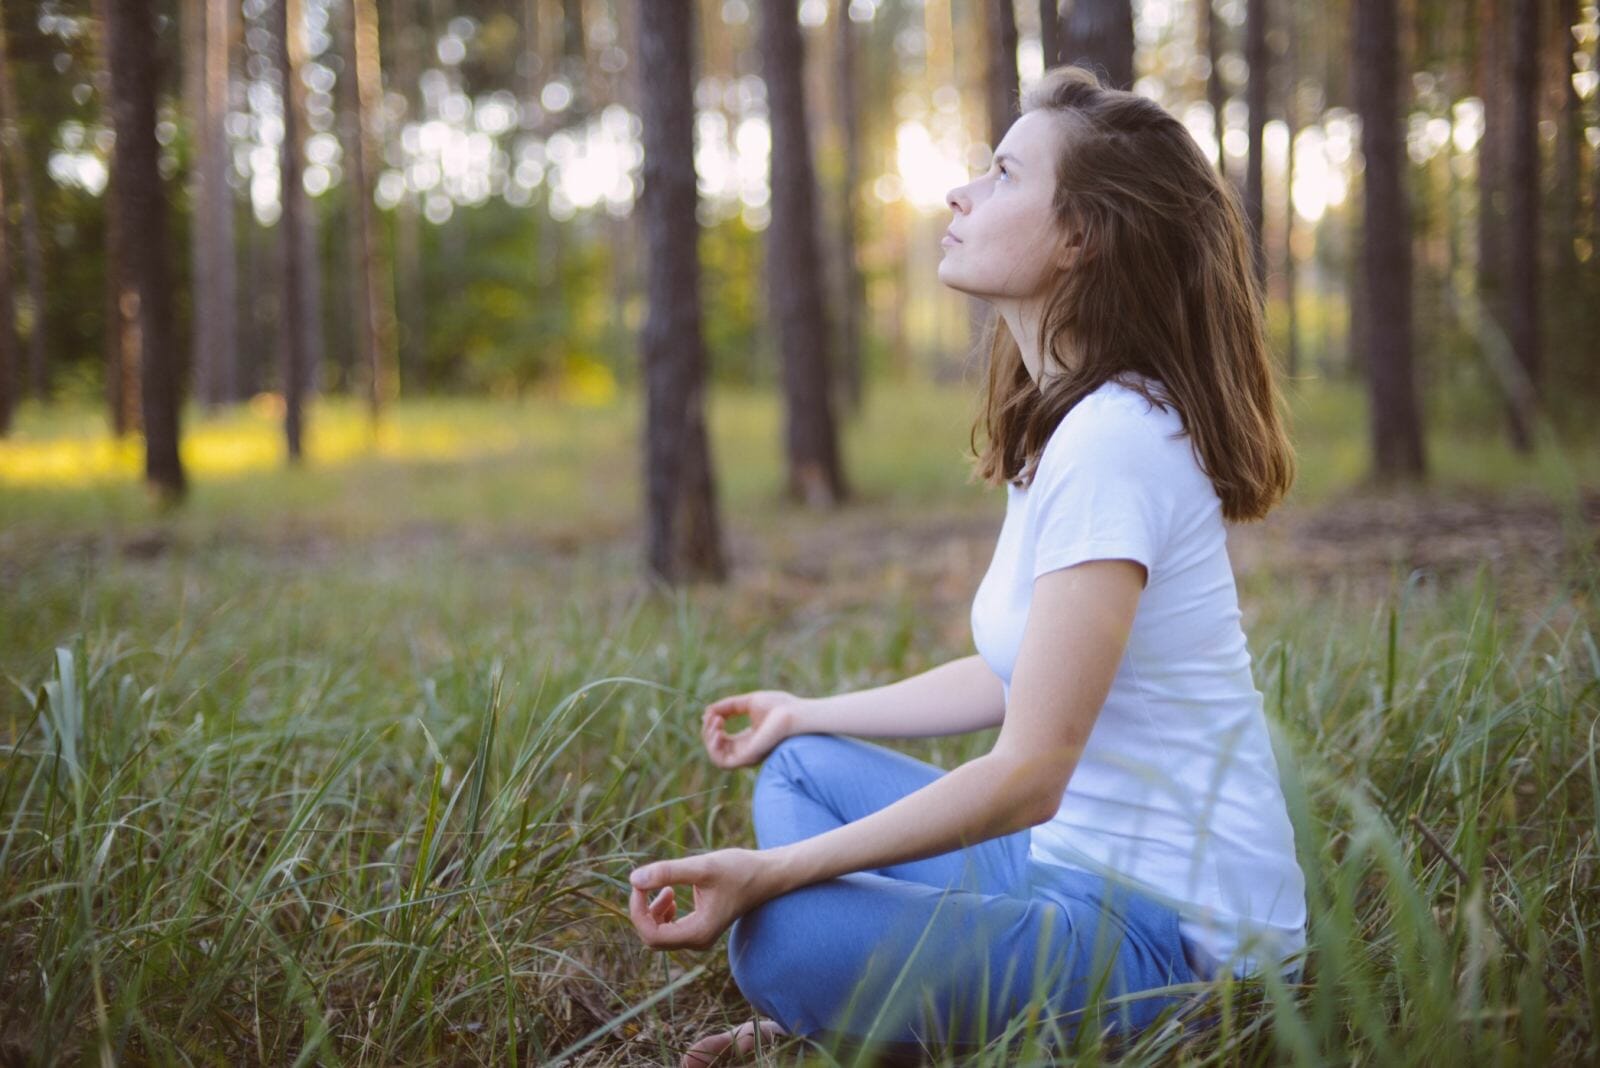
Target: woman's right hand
x,y
771,715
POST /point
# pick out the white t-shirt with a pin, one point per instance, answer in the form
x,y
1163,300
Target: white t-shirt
x,y
1177,789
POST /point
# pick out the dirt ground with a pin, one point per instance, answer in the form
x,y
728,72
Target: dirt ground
x,y
808,566
1364,542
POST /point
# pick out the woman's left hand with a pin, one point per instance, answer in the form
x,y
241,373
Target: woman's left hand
x,y
727,883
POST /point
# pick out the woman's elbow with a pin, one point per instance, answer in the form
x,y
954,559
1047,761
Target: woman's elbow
x,y
1044,807
1040,803
1047,786
1032,793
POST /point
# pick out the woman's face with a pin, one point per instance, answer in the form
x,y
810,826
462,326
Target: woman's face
x,y
1004,243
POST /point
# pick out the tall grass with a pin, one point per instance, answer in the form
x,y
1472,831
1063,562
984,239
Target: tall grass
x,y
214,853
375,801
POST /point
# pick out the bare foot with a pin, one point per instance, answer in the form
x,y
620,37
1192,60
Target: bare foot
x,y
729,1047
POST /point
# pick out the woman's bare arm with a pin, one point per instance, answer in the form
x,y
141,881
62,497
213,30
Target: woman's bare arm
x,y
1077,630
954,698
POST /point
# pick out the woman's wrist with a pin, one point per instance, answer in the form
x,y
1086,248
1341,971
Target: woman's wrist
x,y
779,870
792,717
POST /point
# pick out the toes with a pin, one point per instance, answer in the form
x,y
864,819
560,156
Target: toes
x,y
749,1041
707,1051
713,1049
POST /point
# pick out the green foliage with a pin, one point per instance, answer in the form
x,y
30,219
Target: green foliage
x,y
732,293
496,319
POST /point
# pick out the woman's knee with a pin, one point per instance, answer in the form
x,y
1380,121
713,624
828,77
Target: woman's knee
x,y
801,754
768,957
763,944
788,759
744,954
807,747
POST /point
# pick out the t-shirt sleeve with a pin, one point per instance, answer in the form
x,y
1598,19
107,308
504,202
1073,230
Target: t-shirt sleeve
x,y
1101,493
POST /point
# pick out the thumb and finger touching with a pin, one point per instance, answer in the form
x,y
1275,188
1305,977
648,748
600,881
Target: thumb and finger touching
x,y
659,923
730,749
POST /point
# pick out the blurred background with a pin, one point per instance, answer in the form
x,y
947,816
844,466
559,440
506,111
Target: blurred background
x,y
413,412
463,182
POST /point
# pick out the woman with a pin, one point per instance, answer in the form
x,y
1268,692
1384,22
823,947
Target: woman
x,y
1127,831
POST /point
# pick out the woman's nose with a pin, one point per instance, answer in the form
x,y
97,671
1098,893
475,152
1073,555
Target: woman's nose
x,y
956,198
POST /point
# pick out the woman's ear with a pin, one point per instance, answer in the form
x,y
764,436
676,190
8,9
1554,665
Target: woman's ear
x,y
1070,252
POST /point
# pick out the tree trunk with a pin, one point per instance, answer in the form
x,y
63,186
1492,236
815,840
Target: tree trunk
x,y
8,324
1216,89
122,322
1386,246
1050,32
1569,137
852,296
223,41
685,541
1291,118
531,63
1357,347
260,315
1000,67
411,35
1098,34
542,57
307,243
121,303
1491,166
1594,177
191,58
575,61
355,361
310,270
293,354
32,247
1256,94
794,276
1522,202
550,245
623,232
215,346
143,204
1572,311
374,311
1452,197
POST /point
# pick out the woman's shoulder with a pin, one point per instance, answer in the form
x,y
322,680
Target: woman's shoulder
x,y
1118,433
1140,394
1117,415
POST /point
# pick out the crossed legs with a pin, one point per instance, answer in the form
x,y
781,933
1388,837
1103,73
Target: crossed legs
x,y
946,949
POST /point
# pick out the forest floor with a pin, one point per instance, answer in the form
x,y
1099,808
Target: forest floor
x,y
1361,541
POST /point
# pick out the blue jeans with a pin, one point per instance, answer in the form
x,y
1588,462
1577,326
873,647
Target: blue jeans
x,y
942,951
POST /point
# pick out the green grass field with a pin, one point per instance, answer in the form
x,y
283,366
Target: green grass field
x,y
349,764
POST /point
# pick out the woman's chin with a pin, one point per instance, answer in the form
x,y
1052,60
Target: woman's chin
x,y
965,290
950,279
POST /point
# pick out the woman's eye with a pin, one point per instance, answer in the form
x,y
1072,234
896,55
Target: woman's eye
x,y
1003,172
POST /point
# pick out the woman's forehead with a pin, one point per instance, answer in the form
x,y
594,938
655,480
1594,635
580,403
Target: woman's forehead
x,y
1032,139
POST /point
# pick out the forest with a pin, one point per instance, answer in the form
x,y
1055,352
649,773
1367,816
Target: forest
x,y
413,413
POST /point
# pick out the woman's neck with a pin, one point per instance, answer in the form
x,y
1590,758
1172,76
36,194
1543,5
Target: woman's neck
x,y
1022,318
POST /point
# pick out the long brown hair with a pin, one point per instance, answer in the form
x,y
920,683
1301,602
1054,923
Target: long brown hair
x,y
1164,288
